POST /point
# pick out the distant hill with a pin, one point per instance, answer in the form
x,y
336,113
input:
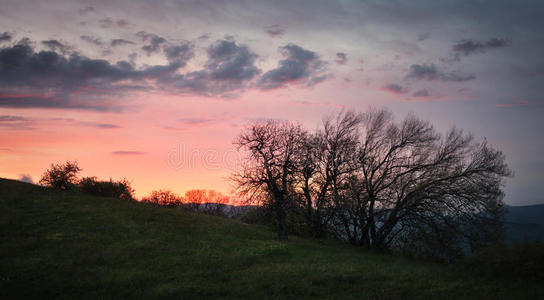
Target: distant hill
x,y
525,214
524,223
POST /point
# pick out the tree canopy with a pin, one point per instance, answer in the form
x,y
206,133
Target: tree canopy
x,y
372,180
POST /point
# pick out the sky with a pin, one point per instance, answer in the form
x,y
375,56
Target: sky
x,y
156,91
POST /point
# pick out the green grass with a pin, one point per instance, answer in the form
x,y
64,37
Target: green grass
x,y
58,244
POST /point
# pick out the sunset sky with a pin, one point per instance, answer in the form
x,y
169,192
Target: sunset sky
x,y
156,91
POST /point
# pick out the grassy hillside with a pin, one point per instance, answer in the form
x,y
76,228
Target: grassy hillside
x,y
62,244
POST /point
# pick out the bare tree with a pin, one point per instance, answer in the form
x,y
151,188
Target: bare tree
x,y
324,164
408,174
194,199
268,174
373,181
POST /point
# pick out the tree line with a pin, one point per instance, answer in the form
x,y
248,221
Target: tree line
x,y
376,182
65,177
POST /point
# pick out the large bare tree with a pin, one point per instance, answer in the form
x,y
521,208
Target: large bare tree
x,y
374,181
268,173
409,175
324,164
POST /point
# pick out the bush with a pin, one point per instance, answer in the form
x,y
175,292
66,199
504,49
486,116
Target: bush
x,y
164,198
518,261
61,176
117,189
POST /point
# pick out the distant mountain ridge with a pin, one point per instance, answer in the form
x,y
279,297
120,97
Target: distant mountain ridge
x,y
524,223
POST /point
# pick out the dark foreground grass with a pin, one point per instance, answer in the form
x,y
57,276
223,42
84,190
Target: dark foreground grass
x,y
66,245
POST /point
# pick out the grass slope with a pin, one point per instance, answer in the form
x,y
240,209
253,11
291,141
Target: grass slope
x,y
68,245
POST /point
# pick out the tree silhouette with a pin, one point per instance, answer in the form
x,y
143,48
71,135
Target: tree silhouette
x,y
61,176
268,174
164,198
374,181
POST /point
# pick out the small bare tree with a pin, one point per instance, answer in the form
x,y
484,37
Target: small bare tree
x,y
268,174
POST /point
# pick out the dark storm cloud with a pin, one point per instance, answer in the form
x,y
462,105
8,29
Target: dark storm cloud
x,y
154,42
430,72
5,37
230,67
394,88
180,53
341,58
93,40
274,30
51,80
421,93
120,42
468,47
55,45
299,66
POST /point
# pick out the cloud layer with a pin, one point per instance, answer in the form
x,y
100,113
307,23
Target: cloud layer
x,y
52,80
60,77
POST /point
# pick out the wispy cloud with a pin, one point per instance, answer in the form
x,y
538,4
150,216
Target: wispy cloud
x,y
274,30
341,58
16,122
469,47
421,93
86,10
430,72
25,178
520,103
394,88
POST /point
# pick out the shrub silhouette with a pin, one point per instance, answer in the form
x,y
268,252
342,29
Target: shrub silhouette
x,y
164,198
61,176
117,189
